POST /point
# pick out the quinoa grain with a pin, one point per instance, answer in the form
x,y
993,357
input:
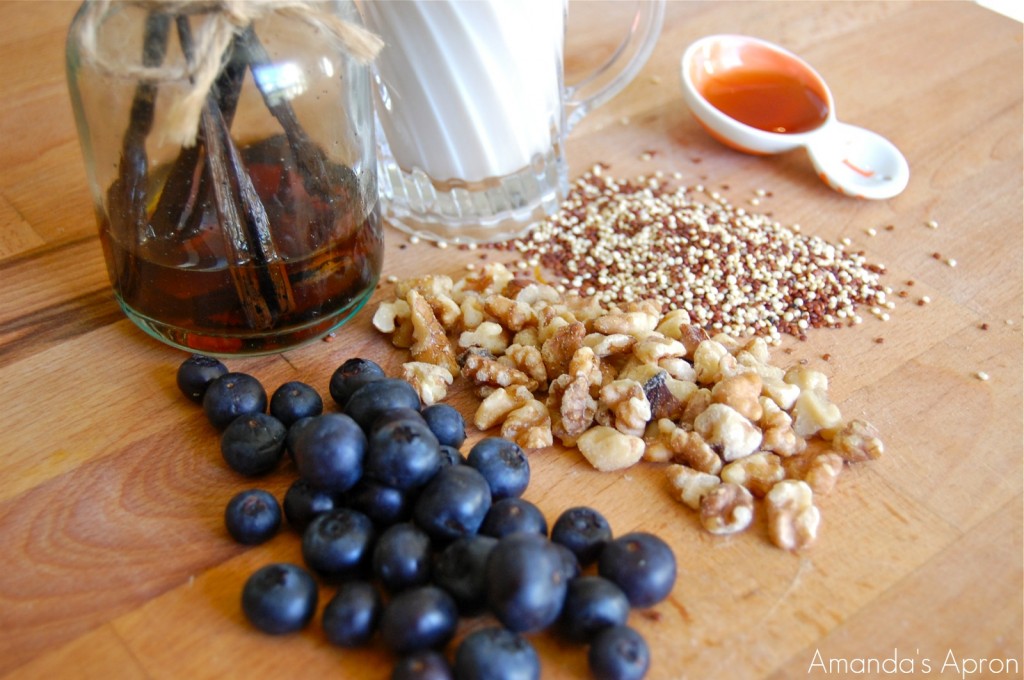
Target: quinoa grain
x,y
731,270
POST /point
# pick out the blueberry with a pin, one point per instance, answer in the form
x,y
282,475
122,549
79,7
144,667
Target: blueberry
x,y
329,452
352,375
383,504
279,598
570,565
453,503
642,565
425,665
451,456
339,544
304,502
496,654
293,435
375,398
584,531
461,569
294,401
417,619
618,653
252,516
446,423
232,395
253,444
393,414
591,604
510,515
196,373
403,454
350,618
503,464
525,582
401,557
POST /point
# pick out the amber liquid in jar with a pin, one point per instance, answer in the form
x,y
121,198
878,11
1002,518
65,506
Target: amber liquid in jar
x,y
182,286
773,101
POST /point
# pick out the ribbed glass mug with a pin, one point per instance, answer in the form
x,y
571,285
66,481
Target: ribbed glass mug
x,y
474,112
230,151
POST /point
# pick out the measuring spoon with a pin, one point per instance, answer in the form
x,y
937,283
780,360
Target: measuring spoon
x,y
759,98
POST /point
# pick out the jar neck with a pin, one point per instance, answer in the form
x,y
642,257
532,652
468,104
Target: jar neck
x,y
210,41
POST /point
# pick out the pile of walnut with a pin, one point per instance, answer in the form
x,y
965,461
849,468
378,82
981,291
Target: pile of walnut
x,y
629,384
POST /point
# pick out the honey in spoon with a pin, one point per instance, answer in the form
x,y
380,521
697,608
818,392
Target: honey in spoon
x,y
769,100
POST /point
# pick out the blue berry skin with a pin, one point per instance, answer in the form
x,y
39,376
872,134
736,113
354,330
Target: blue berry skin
x,y
510,515
642,565
446,423
584,531
383,504
452,504
252,516
451,456
304,502
496,654
461,569
196,373
403,454
592,603
329,452
294,401
525,582
253,444
391,415
280,598
425,665
294,430
232,395
417,619
339,544
352,375
570,565
401,557
351,617
503,464
379,396
618,653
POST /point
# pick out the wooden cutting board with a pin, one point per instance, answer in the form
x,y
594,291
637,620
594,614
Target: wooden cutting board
x,y
113,558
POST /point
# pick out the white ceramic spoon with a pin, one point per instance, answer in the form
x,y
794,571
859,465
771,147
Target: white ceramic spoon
x,y
851,160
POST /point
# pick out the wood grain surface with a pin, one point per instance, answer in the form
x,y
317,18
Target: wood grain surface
x,y
114,562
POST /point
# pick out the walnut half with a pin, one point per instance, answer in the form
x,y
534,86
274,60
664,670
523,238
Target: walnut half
x,y
727,509
529,426
692,484
429,380
792,518
858,441
607,449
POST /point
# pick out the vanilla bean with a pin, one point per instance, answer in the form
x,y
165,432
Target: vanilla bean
x,y
317,173
185,196
258,272
126,200
126,197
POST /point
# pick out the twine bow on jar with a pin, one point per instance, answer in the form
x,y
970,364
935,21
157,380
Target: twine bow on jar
x,y
225,19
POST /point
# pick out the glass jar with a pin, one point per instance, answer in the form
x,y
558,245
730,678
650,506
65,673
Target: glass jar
x,y
230,150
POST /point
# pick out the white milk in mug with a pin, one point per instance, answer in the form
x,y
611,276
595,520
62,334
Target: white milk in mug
x,y
472,111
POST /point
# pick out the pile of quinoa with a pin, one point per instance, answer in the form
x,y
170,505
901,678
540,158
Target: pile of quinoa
x,y
733,271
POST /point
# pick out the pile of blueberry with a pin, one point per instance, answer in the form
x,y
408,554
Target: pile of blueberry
x,y
414,535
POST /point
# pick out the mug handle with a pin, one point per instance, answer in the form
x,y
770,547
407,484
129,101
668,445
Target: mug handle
x,y
607,81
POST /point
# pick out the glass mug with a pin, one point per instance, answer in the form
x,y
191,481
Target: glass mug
x,y
473,112
248,223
